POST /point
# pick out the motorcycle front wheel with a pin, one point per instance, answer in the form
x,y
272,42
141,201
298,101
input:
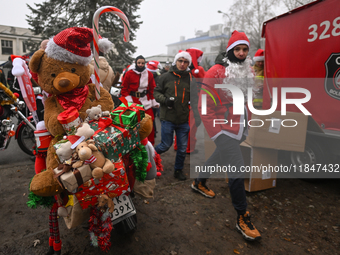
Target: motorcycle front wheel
x,y
26,139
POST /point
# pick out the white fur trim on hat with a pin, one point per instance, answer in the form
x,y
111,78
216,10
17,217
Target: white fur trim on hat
x,y
41,125
74,145
56,52
182,54
152,70
237,43
260,58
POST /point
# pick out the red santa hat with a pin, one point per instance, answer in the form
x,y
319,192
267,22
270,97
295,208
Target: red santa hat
x,y
153,66
259,55
75,140
72,45
196,56
182,54
237,38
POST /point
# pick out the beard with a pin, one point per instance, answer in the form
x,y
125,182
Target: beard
x,y
239,75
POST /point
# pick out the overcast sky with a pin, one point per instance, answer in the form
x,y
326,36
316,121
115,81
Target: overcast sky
x,y
163,21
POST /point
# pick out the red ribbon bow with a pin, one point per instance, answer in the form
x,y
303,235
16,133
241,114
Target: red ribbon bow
x,y
105,122
133,107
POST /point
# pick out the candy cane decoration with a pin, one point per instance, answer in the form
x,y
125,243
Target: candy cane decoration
x,y
20,70
96,16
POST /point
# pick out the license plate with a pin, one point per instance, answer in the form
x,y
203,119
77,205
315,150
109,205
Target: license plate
x,y
123,208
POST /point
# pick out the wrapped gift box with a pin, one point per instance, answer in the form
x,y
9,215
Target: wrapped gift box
x,y
131,115
113,185
114,141
75,177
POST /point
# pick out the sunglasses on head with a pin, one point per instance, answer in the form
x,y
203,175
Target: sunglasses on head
x,y
183,61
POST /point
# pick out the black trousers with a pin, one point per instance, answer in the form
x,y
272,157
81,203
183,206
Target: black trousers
x,y
228,153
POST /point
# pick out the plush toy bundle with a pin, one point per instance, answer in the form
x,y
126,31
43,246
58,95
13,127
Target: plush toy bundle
x,y
82,157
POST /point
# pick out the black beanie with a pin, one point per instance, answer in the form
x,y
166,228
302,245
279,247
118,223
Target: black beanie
x,y
139,69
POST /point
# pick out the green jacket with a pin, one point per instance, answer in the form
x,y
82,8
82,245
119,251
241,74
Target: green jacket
x,y
177,84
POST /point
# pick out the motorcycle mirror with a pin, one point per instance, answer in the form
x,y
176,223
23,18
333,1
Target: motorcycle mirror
x,y
36,90
21,105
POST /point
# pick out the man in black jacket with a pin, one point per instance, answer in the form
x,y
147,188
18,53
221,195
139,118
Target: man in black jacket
x,y
173,93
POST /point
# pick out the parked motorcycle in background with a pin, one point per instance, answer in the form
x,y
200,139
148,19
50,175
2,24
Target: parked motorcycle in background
x,y
10,109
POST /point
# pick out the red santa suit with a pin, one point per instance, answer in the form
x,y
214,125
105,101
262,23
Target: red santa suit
x,y
135,82
218,74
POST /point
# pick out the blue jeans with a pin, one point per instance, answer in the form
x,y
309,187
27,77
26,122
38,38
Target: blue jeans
x,y
182,132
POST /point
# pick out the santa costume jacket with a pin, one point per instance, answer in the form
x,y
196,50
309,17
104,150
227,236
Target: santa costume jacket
x,y
139,81
222,110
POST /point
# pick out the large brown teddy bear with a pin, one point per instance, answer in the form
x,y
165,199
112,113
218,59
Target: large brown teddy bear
x,y
64,73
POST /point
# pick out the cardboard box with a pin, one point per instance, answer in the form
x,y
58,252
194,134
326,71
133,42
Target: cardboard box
x,y
69,179
259,157
268,131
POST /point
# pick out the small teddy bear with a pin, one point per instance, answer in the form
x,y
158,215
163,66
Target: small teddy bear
x,y
105,200
95,113
88,154
65,152
85,130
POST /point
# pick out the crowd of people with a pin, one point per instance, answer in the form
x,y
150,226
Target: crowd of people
x,y
178,94
173,93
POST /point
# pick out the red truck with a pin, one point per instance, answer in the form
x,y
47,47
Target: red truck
x,y
302,49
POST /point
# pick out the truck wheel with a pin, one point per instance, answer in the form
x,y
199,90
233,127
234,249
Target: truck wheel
x,y
314,154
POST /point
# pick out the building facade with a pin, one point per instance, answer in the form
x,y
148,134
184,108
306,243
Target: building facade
x,y
210,42
13,41
161,58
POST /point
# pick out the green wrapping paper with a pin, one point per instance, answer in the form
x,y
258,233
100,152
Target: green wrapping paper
x,y
112,140
129,116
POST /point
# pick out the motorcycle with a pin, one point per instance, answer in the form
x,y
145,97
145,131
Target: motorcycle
x,y
10,109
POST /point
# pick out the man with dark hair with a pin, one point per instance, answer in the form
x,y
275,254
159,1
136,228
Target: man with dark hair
x,y
173,93
233,68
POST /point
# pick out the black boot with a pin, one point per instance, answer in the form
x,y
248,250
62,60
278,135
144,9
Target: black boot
x,y
50,250
179,175
57,247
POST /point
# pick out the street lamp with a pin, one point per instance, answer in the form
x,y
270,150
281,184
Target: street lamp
x,y
219,11
228,24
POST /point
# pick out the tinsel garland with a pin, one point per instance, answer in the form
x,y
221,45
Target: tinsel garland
x,y
140,157
158,162
100,229
34,201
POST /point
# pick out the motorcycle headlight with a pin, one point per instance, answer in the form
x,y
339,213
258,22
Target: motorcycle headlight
x,y
7,122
